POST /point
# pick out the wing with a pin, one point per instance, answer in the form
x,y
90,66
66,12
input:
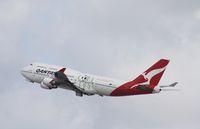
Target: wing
x,y
61,78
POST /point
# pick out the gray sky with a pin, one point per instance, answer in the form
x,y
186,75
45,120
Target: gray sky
x,y
113,38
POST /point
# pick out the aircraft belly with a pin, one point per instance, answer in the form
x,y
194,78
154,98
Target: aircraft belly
x,y
104,90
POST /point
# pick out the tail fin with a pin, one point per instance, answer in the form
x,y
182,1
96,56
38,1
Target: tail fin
x,y
155,72
145,83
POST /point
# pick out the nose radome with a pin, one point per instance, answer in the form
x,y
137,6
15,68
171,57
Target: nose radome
x,y
24,71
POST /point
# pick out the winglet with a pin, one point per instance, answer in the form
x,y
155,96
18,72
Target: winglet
x,y
62,70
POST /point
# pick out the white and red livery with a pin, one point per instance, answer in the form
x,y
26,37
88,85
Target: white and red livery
x,y
52,77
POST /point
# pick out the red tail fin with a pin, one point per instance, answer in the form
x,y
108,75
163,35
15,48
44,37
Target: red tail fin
x,y
144,83
155,72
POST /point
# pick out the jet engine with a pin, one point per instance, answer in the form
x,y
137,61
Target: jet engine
x,y
48,83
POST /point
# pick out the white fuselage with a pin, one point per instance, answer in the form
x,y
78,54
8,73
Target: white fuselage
x,y
88,84
51,77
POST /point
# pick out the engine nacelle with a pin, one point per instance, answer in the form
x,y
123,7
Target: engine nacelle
x,y
48,83
157,89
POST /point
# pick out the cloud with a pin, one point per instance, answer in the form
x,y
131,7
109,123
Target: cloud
x,y
119,39
197,14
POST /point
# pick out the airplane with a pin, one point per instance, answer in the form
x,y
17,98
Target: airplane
x,y
52,77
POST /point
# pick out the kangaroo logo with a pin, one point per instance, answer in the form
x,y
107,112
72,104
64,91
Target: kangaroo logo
x,y
149,75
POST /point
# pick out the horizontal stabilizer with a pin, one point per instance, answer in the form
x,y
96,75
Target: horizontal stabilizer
x,y
172,85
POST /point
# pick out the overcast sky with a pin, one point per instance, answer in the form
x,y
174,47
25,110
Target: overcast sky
x,y
114,38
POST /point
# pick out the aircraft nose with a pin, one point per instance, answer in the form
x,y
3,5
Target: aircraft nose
x,y
24,71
